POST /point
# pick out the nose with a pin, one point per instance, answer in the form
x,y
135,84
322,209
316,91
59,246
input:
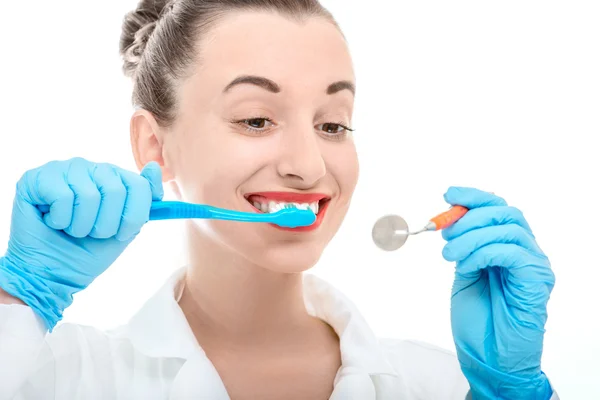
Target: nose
x,y
301,158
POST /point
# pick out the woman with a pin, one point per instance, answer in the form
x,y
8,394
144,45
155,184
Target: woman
x,y
245,105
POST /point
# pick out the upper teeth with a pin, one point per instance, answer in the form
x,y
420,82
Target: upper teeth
x,y
274,206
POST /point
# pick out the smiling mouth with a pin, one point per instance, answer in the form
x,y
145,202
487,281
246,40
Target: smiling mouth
x,y
271,202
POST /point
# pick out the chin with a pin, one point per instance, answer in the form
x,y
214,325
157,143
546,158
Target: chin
x,y
290,257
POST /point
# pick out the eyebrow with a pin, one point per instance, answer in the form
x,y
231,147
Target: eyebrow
x,y
272,87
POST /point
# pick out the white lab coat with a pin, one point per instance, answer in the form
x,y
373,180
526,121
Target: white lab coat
x,y
156,356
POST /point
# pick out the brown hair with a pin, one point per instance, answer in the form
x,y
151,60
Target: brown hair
x,y
159,42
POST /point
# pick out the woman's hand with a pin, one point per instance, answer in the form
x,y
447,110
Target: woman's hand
x,y
70,221
502,284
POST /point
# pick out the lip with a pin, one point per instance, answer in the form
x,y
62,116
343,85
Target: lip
x,y
292,197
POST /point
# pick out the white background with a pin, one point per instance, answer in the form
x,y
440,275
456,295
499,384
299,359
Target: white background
x,y
503,96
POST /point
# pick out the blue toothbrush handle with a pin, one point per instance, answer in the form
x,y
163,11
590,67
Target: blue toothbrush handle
x,y
178,210
291,218
161,210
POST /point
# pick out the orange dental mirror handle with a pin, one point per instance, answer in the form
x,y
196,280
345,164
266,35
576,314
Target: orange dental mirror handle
x,y
445,219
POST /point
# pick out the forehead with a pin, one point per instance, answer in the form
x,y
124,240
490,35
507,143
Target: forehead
x,y
282,49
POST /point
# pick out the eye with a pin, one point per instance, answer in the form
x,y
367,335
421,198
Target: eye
x,y
335,131
332,128
256,125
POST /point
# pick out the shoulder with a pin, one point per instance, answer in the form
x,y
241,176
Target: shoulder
x,y
403,350
426,368
70,340
20,326
417,355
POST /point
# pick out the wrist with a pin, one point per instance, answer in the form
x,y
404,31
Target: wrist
x,y
488,383
6,298
27,289
537,389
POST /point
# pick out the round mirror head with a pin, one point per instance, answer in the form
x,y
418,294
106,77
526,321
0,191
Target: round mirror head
x,y
390,232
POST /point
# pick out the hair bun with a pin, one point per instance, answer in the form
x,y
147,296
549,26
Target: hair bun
x,y
138,26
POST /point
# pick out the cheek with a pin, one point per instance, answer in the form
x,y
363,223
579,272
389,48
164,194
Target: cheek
x,y
343,165
213,180
212,166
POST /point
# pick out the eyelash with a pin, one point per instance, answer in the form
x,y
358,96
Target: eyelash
x,y
334,136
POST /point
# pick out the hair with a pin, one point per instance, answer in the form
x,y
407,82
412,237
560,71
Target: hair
x,y
159,41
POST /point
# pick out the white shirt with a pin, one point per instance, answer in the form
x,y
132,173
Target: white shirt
x,y
156,356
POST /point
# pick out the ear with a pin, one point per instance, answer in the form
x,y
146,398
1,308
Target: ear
x,y
147,142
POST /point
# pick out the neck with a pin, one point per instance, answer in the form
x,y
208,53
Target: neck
x,y
227,297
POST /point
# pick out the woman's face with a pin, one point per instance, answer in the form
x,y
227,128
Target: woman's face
x,y
277,135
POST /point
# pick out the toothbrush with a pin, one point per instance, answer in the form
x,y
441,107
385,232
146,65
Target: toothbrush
x,y
288,217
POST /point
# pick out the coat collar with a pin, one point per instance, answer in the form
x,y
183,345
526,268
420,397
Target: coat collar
x,y
160,329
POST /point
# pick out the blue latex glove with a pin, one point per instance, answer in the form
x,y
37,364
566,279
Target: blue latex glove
x,y
95,211
502,284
